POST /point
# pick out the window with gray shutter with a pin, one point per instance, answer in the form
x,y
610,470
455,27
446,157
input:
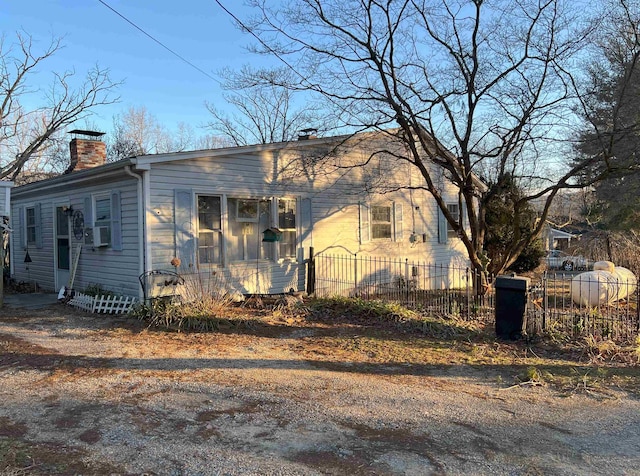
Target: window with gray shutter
x,y
365,231
183,221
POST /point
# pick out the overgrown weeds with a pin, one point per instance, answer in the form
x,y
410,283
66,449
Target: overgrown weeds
x,y
202,305
385,313
97,290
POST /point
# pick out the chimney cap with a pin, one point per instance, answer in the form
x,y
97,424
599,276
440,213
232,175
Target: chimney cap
x,y
308,133
91,134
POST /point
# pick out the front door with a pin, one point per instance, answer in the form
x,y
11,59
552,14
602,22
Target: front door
x,y
63,247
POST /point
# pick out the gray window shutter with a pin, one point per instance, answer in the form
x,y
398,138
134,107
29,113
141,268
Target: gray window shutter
x,y
397,221
38,214
365,228
88,220
184,229
306,224
116,221
22,213
442,227
88,212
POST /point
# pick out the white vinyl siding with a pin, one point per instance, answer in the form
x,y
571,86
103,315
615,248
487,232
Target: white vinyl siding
x,y
111,268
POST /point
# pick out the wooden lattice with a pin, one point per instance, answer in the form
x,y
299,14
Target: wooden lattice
x,y
103,304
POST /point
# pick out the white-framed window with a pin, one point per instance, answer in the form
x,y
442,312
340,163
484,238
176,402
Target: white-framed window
x,y
30,228
247,210
103,220
209,229
31,225
102,214
381,222
232,229
287,225
247,220
454,210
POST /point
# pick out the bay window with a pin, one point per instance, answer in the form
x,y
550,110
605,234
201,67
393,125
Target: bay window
x,y
232,229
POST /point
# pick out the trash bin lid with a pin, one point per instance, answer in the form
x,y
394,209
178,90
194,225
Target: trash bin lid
x,y
519,283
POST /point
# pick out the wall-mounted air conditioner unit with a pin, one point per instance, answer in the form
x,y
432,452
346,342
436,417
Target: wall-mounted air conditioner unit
x,y
100,236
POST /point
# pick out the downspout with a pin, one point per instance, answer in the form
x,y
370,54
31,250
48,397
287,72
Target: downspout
x,y
142,262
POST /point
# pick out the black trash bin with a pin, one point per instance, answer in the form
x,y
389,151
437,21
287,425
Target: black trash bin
x,y
511,304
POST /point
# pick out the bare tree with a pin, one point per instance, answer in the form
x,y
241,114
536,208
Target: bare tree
x,y
612,129
474,86
27,134
265,111
138,132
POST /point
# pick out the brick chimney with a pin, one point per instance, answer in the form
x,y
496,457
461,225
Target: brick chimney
x,y
87,151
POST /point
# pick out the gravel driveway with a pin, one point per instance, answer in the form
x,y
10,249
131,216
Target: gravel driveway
x,y
93,395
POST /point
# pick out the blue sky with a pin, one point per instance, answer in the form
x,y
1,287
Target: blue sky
x,y
171,90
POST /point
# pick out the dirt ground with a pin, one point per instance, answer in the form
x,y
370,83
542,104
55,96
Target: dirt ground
x,y
88,394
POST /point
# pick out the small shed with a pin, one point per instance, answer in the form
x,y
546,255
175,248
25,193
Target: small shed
x,y
560,240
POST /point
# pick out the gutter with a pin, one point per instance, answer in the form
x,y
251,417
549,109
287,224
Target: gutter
x,y
142,228
103,171
144,203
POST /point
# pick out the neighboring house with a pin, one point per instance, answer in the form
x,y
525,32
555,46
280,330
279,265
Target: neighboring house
x,y
219,211
5,197
560,240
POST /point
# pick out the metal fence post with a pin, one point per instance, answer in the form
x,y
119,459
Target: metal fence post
x,y
355,275
637,309
467,295
406,279
311,273
545,277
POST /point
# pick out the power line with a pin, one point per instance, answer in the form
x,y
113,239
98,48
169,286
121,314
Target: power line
x,y
260,40
159,42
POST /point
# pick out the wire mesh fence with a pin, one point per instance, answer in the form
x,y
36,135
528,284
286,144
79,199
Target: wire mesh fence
x,y
572,303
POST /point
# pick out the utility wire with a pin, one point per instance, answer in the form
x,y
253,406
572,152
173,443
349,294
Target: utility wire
x,y
260,40
159,42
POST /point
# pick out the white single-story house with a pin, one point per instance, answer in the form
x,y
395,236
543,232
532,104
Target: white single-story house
x,y
560,240
247,215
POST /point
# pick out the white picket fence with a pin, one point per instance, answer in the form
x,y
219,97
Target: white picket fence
x,y
103,304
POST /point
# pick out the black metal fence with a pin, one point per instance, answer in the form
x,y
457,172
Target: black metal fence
x,y
586,304
607,308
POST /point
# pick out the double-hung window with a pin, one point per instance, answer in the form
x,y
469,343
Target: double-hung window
x,y
380,221
103,220
30,225
209,229
454,210
287,226
103,216
381,224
